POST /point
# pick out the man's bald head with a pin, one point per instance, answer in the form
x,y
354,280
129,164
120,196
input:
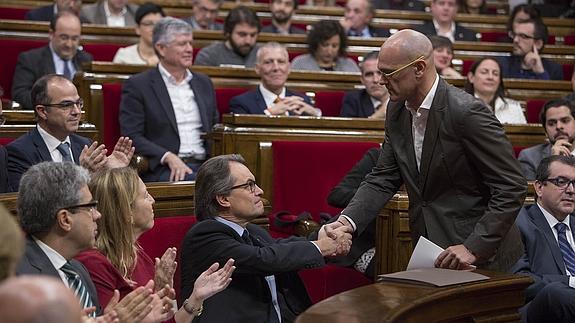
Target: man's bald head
x,y
405,46
38,299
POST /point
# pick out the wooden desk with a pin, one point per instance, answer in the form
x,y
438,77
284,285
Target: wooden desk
x,y
495,300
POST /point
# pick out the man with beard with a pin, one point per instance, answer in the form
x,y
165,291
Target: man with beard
x,y
282,11
272,97
204,14
370,102
529,38
558,120
241,29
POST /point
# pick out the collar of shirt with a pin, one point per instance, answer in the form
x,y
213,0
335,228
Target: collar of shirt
x,y
110,14
269,96
450,34
428,100
59,62
55,9
51,141
55,258
238,228
168,78
375,101
553,221
365,32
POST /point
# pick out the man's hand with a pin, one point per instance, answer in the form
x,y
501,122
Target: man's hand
x,y
165,268
379,113
178,169
93,157
345,23
456,257
338,233
122,154
295,104
212,281
532,61
134,306
163,305
561,147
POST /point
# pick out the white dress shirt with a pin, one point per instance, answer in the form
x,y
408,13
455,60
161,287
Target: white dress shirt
x,y
52,144
450,34
59,63
55,258
114,20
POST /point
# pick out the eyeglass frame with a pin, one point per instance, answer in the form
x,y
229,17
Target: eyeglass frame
x,y
250,184
92,205
555,180
512,35
397,70
66,105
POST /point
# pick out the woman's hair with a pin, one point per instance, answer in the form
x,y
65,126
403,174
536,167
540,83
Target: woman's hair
x,y
464,9
116,191
146,9
324,30
499,93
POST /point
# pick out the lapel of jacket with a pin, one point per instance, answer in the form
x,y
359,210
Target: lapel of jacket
x,y
434,120
48,61
400,124
40,145
195,86
39,260
540,221
76,148
161,92
366,104
260,102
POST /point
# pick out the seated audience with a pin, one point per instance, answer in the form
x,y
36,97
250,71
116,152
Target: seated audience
x,y
46,13
320,3
442,56
119,263
272,97
265,287
114,13
327,45
411,5
558,120
241,29
529,38
61,56
357,19
474,7
282,12
443,23
143,52
484,81
547,233
371,101
204,14
166,109
58,109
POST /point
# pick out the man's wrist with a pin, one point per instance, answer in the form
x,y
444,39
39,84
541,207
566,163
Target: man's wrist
x,y
193,310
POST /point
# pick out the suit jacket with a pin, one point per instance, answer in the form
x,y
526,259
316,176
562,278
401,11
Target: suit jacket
x,y
469,188
531,157
271,28
373,32
542,259
253,102
95,13
45,13
4,184
461,33
35,262
148,118
248,297
30,149
511,68
411,5
34,64
357,104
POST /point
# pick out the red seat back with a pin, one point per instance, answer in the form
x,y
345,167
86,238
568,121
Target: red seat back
x,y
102,52
306,171
167,232
533,110
6,140
329,102
13,13
11,48
223,97
569,40
567,72
112,94
466,67
494,36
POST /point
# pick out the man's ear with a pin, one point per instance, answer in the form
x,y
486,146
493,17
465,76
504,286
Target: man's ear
x,y
64,220
41,112
538,188
539,45
223,201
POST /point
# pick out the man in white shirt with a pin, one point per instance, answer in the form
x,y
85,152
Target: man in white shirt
x,y
443,23
547,231
114,13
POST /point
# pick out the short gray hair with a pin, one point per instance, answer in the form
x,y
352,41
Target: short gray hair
x,y
269,45
166,30
45,189
214,179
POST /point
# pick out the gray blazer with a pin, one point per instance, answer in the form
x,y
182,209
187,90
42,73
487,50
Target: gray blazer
x,y
530,158
96,14
469,188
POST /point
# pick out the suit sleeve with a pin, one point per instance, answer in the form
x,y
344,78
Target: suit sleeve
x,y
24,78
237,106
486,146
527,166
523,267
18,164
203,58
349,108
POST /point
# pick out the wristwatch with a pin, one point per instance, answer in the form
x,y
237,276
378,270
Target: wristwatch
x,y
193,311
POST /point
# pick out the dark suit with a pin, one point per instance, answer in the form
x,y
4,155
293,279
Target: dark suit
x,y
34,64
30,149
373,32
411,5
253,102
461,33
357,104
45,13
511,68
148,118
271,28
96,14
248,297
531,157
4,185
35,262
469,187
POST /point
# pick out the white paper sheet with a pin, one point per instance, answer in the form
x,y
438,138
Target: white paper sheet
x,y
424,254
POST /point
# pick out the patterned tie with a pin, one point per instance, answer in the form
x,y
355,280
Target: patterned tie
x,y
277,99
64,149
566,250
67,72
75,283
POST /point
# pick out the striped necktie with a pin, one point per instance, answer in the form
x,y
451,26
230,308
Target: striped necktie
x,y
77,285
64,149
566,250
67,72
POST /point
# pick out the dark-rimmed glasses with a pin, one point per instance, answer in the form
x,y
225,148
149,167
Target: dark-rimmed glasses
x,y
92,206
520,35
391,74
67,105
250,184
561,182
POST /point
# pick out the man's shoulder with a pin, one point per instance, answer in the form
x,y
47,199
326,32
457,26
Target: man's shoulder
x,y
269,29
534,151
24,142
246,96
34,53
40,14
144,77
214,47
75,138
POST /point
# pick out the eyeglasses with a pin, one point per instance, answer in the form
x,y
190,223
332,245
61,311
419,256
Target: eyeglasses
x,y
391,74
148,24
561,182
520,35
92,207
250,184
67,105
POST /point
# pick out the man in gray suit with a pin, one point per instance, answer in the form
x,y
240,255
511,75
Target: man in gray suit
x,y
558,120
464,185
114,13
62,56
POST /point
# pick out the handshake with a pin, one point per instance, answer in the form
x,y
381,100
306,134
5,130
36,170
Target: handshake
x,y
334,239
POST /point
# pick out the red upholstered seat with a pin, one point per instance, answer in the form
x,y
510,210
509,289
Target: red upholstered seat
x,y
11,48
324,282
13,13
493,36
223,97
329,102
102,52
569,40
533,109
517,150
112,93
6,140
466,67
567,72
167,232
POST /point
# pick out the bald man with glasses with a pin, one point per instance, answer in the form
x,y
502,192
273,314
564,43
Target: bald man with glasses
x,y
465,187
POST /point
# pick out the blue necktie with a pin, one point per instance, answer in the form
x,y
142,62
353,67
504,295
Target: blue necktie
x,y
67,72
64,149
77,286
566,250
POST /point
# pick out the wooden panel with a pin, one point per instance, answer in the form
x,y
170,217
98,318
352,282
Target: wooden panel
x,y
17,130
